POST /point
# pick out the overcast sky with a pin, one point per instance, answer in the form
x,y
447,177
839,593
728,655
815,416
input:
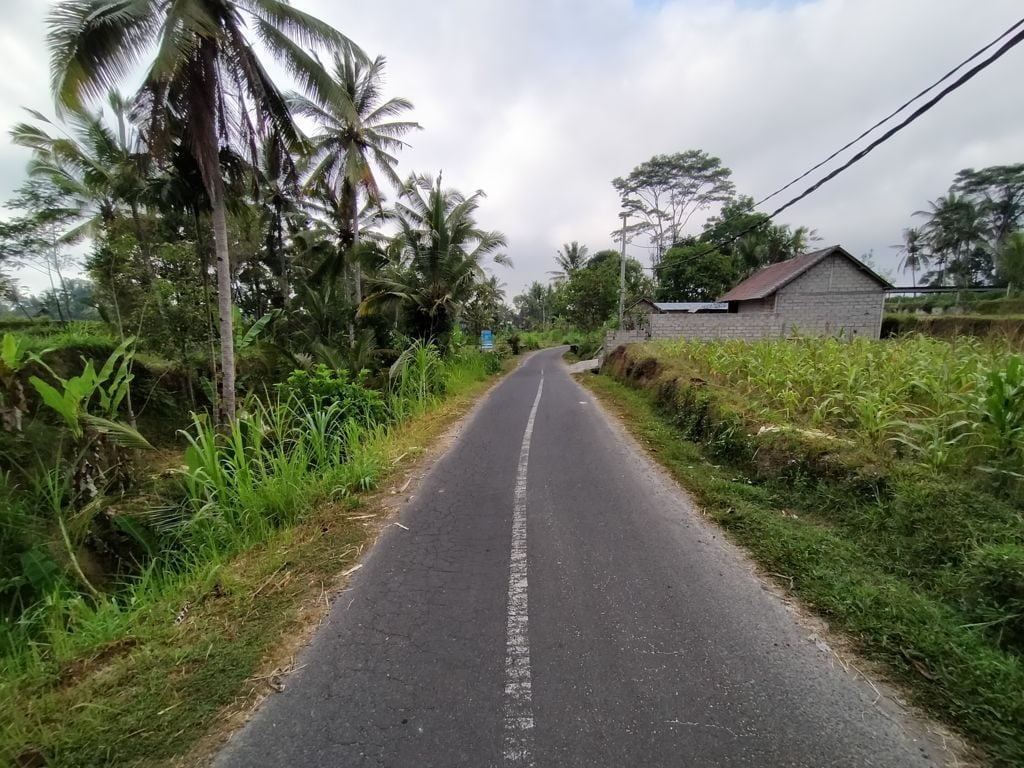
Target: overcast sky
x,y
541,103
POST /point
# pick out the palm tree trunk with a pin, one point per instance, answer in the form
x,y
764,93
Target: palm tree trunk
x,y
211,347
143,240
227,336
283,285
357,268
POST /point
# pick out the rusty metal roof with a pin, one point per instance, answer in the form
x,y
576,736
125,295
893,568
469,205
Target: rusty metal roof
x,y
767,281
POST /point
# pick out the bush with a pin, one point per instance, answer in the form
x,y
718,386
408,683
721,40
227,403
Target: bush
x,y
994,588
492,363
322,387
1009,327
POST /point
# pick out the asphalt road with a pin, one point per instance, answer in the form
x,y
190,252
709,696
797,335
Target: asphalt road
x,y
556,602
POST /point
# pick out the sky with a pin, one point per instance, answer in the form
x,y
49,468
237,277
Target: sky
x,y
541,103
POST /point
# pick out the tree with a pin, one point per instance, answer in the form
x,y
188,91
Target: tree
x,y
590,297
443,251
912,253
692,273
955,234
1011,260
534,306
358,133
569,259
35,238
98,168
486,308
736,218
998,192
278,199
665,192
205,88
750,237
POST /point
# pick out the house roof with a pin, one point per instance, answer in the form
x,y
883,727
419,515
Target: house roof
x,y
678,306
767,281
687,306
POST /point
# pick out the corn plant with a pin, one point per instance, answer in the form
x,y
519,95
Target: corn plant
x,y
949,405
1001,411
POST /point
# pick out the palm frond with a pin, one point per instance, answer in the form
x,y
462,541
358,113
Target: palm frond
x,y
95,44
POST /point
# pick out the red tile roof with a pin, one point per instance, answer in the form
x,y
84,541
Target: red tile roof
x,y
767,281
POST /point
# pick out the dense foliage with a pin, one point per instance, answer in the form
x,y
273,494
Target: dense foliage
x,y
255,306
972,234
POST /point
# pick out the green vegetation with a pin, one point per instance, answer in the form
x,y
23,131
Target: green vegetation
x,y
971,235
661,195
883,480
257,325
977,302
268,519
1008,329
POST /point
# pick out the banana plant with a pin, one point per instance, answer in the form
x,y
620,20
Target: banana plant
x,y
88,406
13,405
79,397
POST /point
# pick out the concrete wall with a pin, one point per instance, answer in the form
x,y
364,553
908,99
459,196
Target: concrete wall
x,y
612,339
833,298
755,325
767,304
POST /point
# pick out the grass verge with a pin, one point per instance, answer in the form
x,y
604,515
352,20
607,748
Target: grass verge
x,y
949,668
209,647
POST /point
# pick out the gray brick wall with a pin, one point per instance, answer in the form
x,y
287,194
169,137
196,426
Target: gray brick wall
x,y
833,298
613,339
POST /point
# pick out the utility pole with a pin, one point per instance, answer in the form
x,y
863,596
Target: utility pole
x,y
622,271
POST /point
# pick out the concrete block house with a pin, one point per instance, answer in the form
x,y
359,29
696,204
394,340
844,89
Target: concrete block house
x,y
825,292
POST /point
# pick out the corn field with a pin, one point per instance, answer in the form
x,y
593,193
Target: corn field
x,y
949,406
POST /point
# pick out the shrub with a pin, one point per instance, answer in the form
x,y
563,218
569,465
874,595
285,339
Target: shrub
x,y
994,587
323,387
492,363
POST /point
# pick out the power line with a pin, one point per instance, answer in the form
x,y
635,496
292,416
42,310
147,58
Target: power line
x,y
891,115
964,78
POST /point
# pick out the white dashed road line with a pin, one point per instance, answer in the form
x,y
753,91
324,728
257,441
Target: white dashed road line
x,y
518,739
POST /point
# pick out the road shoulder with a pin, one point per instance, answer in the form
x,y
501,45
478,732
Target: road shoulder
x,y
668,461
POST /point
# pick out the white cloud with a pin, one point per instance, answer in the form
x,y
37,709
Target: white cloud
x,y
542,103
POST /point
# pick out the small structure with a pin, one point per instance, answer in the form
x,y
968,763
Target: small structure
x,y
668,307
826,292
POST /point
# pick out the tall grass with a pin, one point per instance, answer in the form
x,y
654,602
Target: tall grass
x,y
950,406
319,437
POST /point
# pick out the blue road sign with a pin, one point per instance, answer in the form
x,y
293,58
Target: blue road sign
x,y
486,339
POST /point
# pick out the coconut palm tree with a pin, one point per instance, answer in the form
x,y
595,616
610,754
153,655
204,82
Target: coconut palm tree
x,y
278,198
98,168
954,233
912,253
571,257
444,252
358,134
487,305
205,88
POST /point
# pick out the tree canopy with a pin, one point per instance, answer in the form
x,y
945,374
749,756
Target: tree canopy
x,y
667,190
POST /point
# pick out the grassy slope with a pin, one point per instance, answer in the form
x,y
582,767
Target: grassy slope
x,y
951,670
151,695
